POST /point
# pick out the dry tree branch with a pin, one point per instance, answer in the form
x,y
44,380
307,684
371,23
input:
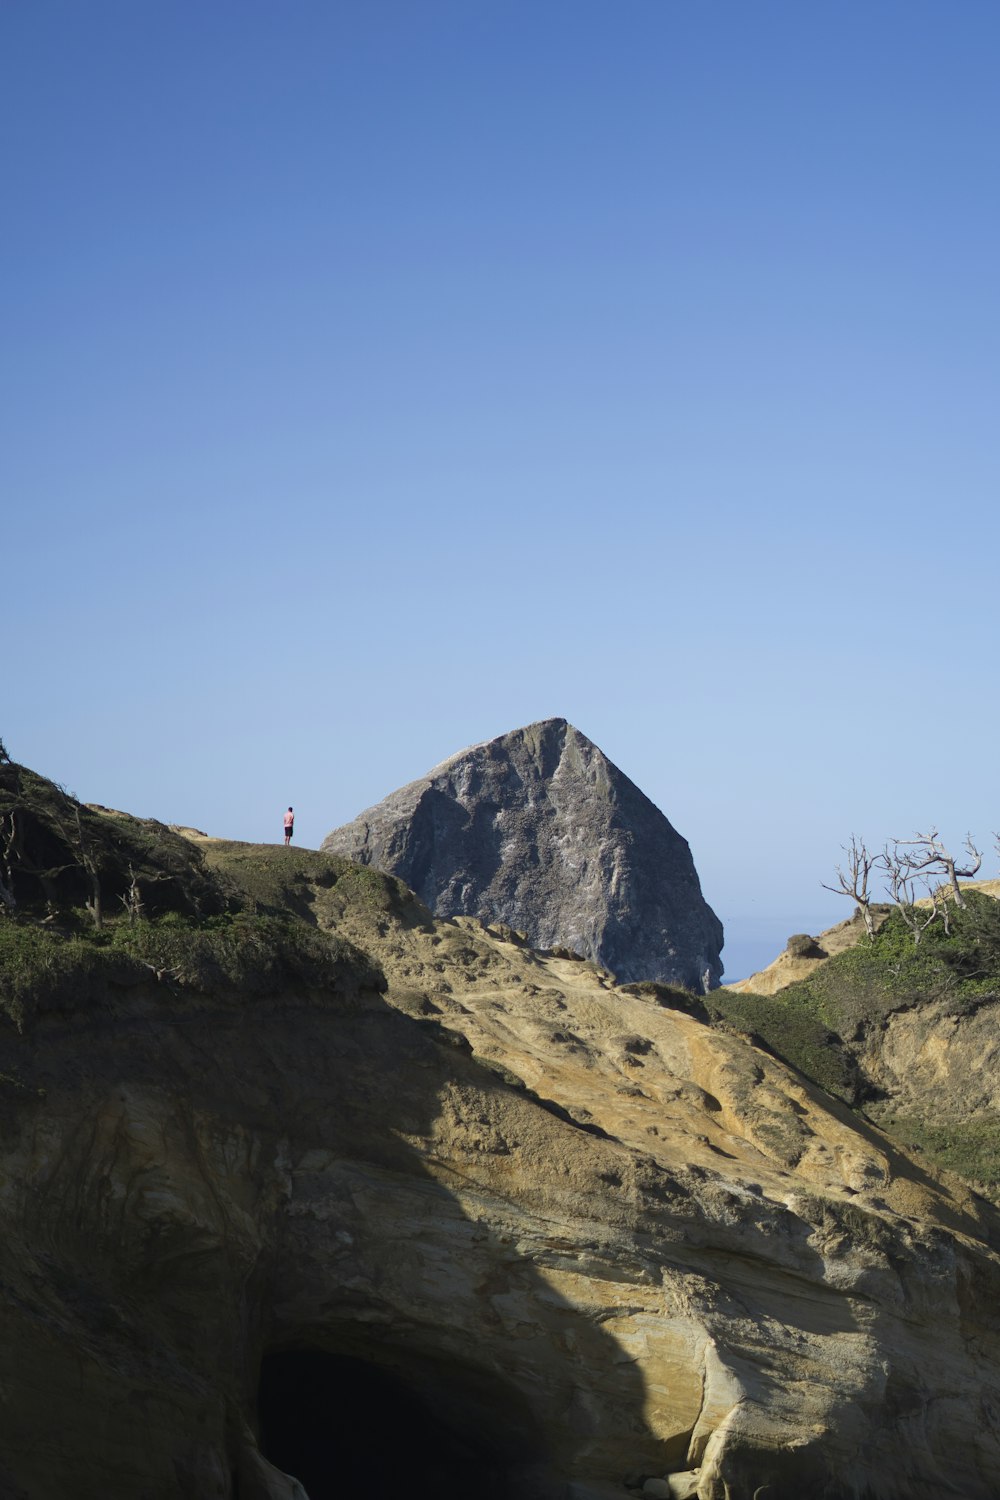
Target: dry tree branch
x,y
853,881
902,870
8,838
93,901
930,853
133,902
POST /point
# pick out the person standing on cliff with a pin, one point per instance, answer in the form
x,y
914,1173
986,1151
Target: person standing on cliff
x,y
289,826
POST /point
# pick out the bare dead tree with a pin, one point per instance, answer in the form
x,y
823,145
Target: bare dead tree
x,y
853,879
36,828
903,881
16,861
132,900
8,840
927,852
66,822
93,899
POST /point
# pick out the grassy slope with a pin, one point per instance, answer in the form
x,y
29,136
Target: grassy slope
x,y
237,923
818,1023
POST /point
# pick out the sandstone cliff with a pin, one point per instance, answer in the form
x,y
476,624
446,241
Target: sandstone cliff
x,y
539,830
320,1185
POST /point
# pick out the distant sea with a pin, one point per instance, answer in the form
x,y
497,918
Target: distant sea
x,y
743,956
754,942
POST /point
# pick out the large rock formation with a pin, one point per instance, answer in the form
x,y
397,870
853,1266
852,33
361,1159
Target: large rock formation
x,y
539,830
321,1186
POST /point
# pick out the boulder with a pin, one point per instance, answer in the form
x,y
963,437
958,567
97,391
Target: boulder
x,y
683,1486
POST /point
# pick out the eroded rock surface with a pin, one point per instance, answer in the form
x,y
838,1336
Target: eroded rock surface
x,y
540,830
573,1236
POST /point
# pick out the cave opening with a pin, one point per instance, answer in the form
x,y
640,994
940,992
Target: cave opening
x,y
342,1424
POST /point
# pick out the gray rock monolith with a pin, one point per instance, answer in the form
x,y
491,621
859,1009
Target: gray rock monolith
x,y
539,830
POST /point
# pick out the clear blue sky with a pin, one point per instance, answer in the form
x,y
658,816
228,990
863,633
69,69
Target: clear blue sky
x,y
378,377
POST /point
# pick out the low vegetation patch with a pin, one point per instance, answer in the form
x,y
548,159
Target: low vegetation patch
x,y
862,986
230,955
794,1029
969,1147
811,1023
818,1023
273,880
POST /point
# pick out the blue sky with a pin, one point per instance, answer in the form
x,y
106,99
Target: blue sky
x,y
378,377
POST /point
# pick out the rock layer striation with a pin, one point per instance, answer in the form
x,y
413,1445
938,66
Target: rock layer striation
x,y
538,829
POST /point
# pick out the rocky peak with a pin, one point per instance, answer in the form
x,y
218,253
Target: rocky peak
x,y
539,830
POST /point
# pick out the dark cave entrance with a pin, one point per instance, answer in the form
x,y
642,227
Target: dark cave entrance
x,y
343,1425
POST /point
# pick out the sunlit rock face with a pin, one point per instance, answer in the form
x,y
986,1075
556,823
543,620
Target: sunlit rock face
x,y
539,830
488,1225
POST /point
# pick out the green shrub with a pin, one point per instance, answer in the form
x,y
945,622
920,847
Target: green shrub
x,y
969,1147
794,1030
236,955
38,965
801,945
812,1023
862,986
